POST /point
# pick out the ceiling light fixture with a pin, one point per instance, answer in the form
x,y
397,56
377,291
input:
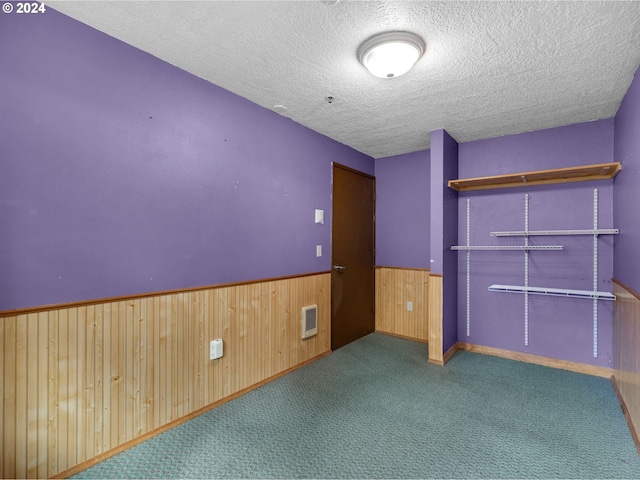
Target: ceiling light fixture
x,y
391,54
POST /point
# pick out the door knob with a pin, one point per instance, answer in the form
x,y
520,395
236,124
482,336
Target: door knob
x,y
339,268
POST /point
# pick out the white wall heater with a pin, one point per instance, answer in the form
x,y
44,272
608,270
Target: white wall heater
x,y
309,321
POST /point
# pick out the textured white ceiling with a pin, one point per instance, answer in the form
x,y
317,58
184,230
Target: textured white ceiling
x,y
490,68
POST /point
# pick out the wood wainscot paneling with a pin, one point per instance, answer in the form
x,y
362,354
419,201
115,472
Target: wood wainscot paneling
x,y
626,351
394,288
80,383
436,354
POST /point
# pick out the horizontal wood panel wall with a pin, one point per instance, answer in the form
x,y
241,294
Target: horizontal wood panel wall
x,y
80,381
626,349
394,288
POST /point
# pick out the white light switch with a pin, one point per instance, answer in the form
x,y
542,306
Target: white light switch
x,y
410,306
318,250
319,217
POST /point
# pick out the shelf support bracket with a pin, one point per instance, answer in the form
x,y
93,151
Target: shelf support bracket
x,y
595,272
526,271
468,267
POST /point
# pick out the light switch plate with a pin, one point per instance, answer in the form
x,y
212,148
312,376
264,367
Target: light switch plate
x,y
318,250
319,216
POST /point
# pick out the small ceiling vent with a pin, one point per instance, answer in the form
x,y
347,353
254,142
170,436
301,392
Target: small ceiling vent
x,y
309,321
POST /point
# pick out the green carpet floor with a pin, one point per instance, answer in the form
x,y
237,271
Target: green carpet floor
x,y
377,409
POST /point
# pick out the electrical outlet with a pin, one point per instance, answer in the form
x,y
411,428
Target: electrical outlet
x,y
215,349
318,250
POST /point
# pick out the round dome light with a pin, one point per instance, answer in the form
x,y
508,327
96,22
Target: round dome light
x,y
391,54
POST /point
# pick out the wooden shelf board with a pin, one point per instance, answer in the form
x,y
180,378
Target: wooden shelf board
x,y
582,173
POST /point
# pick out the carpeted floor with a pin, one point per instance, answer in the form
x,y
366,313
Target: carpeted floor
x,y
376,409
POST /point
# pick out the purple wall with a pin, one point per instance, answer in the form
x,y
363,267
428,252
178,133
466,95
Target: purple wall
x,y
626,267
121,174
558,327
402,210
578,144
444,229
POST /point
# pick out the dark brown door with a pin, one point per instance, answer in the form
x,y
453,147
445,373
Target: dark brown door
x,y
352,256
